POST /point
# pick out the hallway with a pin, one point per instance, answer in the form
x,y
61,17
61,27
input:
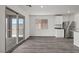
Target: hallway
x,y
47,45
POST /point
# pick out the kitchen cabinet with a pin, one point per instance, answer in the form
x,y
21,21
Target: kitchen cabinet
x,y
59,19
76,38
59,33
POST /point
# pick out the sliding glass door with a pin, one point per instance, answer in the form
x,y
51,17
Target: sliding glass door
x,y
15,28
11,31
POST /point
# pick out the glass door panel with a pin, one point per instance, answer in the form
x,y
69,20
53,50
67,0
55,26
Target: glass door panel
x,y
21,28
11,27
11,32
14,27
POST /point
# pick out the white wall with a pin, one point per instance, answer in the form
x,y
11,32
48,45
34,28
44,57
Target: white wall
x,y
2,24
77,21
27,27
69,17
2,28
45,32
52,20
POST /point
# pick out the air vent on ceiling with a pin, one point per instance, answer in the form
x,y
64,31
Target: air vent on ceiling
x,y
29,5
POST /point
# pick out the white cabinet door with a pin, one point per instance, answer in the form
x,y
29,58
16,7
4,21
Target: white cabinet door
x,y
59,19
60,33
76,38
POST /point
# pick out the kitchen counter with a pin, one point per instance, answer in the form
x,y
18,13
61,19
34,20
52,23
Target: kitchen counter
x,y
58,28
76,30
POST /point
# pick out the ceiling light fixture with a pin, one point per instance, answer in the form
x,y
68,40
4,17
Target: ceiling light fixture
x,y
42,6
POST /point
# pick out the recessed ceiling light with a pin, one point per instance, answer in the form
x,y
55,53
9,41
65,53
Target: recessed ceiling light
x,y
41,6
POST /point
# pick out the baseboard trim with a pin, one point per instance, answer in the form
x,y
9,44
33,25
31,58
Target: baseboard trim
x,y
42,36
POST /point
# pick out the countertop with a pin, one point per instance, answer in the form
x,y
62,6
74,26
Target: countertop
x,y
76,30
58,28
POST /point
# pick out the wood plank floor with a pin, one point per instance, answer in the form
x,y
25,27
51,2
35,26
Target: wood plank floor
x,y
47,45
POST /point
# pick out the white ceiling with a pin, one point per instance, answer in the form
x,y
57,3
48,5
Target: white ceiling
x,y
51,9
